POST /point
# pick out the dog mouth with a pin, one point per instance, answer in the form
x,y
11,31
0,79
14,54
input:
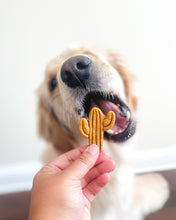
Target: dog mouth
x,y
124,126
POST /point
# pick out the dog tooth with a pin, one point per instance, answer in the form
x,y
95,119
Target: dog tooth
x,y
116,132
110,131
128,116
106,97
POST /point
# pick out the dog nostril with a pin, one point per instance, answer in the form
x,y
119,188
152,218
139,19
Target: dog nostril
x,y
67,76
81,66
76,71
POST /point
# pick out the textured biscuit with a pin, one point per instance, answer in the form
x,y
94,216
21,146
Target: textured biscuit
x,y
95,127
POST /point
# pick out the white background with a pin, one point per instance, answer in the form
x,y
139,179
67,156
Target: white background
x,y
34,31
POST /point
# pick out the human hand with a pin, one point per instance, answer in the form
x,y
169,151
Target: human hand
x,y
65,188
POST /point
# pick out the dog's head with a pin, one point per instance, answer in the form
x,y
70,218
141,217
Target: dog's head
x,y
79,79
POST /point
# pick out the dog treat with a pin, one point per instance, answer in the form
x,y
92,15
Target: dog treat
x,y
95,127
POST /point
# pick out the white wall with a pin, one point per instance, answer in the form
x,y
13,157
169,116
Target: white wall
x,y
34,31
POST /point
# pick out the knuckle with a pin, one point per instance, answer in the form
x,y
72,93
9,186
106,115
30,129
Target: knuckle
x,y
36,178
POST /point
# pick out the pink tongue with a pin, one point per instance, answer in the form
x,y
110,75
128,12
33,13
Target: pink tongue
x,y
106,106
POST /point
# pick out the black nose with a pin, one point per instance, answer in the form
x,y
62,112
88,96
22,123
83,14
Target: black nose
x,y
76,71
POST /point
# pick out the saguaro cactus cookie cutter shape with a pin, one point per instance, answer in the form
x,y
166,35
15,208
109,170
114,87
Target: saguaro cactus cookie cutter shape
x,y
96,125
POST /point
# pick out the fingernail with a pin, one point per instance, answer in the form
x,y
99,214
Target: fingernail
x,y
93,149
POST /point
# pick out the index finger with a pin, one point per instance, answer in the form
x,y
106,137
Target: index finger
x,y
63,161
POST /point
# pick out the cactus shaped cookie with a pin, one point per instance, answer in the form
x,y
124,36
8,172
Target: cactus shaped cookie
x,y
95,127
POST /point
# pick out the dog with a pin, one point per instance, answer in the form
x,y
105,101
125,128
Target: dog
x,y
82,78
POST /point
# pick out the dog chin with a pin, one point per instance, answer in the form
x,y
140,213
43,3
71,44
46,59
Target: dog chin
x,y
125,125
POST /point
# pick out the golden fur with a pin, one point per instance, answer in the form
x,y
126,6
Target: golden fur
x,y
47,124
127,196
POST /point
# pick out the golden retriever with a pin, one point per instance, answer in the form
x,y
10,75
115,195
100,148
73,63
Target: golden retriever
x,y
82,78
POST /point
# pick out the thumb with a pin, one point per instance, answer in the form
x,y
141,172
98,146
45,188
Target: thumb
x,y
79,168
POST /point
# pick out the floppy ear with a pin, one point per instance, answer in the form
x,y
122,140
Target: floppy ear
x,y
51,131
127,77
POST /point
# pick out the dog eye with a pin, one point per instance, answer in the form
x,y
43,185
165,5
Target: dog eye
x,y
53,84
